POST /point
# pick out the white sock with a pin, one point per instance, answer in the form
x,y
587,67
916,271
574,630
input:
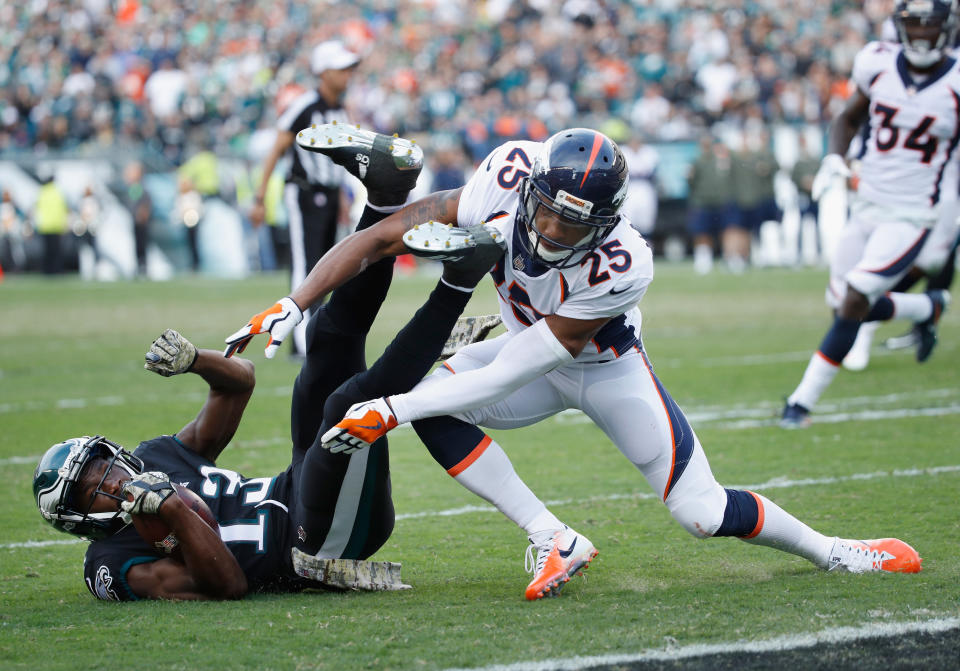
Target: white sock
x,y
736,264
781,530
545,521
859,355
491,477
816,379
915,307
703,259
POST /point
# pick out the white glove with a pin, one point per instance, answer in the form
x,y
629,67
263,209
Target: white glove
x,y
149,491
170,354
363,424
278,321
832,167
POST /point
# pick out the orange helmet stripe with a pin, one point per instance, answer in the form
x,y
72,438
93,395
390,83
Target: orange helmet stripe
x,y
594,150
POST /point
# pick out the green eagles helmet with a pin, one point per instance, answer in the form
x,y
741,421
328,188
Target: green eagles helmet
x,y
58,473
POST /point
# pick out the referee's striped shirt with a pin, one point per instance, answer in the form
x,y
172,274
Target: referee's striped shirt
x,y
307,166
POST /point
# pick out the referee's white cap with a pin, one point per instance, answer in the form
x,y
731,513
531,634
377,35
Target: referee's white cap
x,y
332,55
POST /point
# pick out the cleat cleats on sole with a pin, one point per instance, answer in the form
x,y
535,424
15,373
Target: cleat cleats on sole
x,y
387,166
444,242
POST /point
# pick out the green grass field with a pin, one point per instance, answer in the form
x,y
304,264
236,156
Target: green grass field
x,y
882,459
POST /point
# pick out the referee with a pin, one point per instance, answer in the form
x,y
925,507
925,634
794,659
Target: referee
x,y
312,192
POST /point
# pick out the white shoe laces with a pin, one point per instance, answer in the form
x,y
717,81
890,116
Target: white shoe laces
x,y
856,558
543,543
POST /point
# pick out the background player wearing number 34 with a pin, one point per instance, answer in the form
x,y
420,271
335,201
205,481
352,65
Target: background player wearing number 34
x,y
909,95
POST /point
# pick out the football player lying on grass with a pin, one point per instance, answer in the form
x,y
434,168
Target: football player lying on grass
x,y
314,522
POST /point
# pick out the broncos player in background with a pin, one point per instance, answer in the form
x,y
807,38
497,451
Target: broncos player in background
x,y
568,286
329,506
936,264
909,93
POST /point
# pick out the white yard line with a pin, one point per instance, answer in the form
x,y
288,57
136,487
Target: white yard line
x,y
743,416
106,401
775,483
837,635
737,416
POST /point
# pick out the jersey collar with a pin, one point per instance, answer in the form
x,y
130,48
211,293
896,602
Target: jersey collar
x,y
908,83
522,261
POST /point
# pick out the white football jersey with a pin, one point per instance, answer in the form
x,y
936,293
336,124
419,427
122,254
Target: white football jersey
x,y
608,282
909,158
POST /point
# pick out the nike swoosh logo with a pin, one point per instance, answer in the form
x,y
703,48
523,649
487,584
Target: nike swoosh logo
x,y
614,292
566,553
375,427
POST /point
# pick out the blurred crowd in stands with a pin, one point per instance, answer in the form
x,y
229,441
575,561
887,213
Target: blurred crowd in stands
x,y
176,78
171,72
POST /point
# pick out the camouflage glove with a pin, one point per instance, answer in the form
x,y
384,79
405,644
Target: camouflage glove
x,y
468,330
149,490
170,354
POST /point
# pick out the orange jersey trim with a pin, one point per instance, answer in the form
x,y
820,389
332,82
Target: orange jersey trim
x,y
827,359
467,461
760,516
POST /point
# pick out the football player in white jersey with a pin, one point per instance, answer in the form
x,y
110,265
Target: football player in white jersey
x,y
909,94
569,283
936,263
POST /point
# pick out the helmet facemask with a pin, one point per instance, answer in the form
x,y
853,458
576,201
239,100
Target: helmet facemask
x,y
572,211
933,24
56,481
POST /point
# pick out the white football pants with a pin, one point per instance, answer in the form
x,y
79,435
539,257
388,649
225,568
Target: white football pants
x,y
874,251
624,399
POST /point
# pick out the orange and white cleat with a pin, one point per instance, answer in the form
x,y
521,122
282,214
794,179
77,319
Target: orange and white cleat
x,y
561,554
879,554
363,425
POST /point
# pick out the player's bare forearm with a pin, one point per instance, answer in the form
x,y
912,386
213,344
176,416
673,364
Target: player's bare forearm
x,y
357,251
440,206
208,569
231,386
214,568
230,376
574,334
847,124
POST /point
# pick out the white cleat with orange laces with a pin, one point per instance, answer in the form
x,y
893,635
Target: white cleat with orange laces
x,y
561,554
